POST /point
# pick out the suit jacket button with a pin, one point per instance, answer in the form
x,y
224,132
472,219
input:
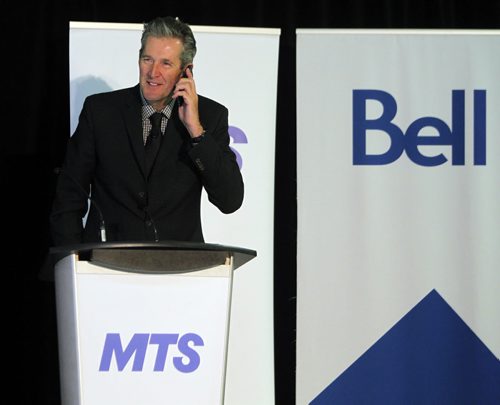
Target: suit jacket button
x,y
199,163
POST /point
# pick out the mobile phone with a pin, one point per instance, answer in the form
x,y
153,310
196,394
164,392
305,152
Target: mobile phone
x,y
184,75
190,67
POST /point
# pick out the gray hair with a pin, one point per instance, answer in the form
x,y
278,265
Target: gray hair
x,y
169,27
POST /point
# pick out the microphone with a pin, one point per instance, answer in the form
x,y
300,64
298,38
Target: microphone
x,y
143,205
102,226
157,238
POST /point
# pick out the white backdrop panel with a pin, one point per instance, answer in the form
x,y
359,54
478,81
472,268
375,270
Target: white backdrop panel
x,y
374,240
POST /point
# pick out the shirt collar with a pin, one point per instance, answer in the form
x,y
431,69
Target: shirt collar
x,y
148,110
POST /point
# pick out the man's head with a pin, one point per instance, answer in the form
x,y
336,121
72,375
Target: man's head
x,y
169,27
168,47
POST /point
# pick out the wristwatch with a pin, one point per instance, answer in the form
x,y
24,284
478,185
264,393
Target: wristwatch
x,y
197,139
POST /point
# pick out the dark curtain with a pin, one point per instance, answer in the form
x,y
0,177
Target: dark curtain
x,y
35,114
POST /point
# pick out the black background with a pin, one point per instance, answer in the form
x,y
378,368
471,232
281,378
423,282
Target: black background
x,y
36,122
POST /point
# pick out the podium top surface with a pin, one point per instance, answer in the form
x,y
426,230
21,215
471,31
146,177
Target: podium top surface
x,y
154,256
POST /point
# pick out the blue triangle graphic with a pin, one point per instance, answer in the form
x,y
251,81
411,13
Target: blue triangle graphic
x,y
429,357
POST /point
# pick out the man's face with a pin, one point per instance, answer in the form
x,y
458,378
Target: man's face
x,y
160,69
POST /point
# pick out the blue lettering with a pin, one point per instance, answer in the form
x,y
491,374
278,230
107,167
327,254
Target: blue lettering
x,y
163,340
186,350
138,345
238,136
414,138
384,123
480,127
417,133
113,344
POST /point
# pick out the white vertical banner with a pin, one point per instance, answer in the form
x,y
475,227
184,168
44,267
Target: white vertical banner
x,y
398,172
238,68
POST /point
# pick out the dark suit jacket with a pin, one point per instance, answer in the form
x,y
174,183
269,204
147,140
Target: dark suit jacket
x,y
106,155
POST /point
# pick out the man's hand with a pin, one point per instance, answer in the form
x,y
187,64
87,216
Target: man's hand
x,y
188,110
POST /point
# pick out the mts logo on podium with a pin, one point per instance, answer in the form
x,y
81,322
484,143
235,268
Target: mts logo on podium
x,y
139,345
441,133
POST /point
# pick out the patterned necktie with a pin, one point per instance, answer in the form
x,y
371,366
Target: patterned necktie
x,y
155,132
153,141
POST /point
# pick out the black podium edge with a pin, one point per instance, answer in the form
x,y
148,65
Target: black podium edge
x,y
240,255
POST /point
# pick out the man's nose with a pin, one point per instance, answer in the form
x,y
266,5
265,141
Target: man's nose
x,y
155,69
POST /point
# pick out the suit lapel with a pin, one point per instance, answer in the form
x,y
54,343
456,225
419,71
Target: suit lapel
x,y
132,115
172,143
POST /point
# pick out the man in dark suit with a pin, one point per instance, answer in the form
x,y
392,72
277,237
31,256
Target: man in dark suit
x,y
145,184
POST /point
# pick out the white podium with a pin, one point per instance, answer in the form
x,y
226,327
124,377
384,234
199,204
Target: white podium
x,y
144,323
